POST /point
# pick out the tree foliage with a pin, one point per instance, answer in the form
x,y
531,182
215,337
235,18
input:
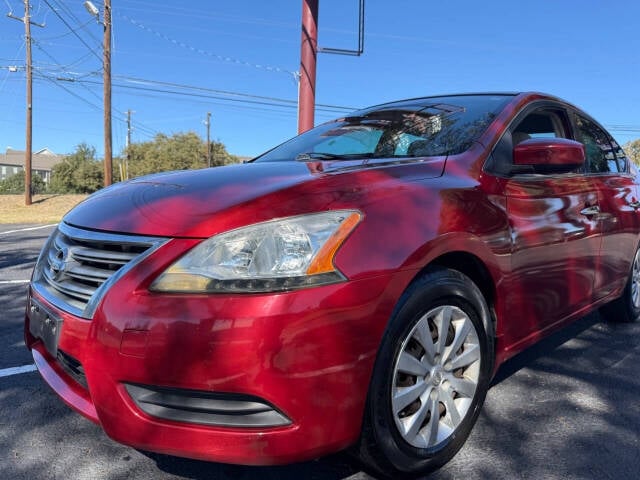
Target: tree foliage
x,y
632,149
179,151
15,184
78,172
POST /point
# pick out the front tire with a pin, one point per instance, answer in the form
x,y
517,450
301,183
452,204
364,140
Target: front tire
x,y
430,377
626,308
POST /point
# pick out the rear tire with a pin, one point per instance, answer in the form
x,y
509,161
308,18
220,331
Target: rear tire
x,y
626,308
430,378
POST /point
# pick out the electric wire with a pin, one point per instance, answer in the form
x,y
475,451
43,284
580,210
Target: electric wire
x,y
63,69
148,131
202,95
4,80
80,24
203,52
91,49
63,35
227,92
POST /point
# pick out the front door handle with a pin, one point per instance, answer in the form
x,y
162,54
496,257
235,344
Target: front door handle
x,y
635,204
590,211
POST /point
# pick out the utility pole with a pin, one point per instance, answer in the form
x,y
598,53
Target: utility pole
x,y
29,72
29,131
208,124
308,55
128,132
108,156
106,80
125,175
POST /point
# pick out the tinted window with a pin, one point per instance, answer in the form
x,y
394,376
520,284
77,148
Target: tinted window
x,y
533,123
598,150
621,158
543,123
421,127
349,141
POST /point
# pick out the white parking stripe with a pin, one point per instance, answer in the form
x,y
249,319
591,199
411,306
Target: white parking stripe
x,y
7,372
28,229
13,282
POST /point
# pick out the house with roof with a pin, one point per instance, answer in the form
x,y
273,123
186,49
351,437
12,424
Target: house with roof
x,y
42,162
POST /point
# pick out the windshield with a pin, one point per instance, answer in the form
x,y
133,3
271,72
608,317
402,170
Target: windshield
x,y
413,128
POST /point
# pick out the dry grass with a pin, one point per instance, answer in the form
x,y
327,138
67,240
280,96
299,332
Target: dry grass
x,y
44,209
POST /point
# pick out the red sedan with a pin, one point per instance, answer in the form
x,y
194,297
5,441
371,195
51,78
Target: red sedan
x,y
356,286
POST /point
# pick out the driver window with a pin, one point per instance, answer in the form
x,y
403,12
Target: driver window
x,y
543,122
539,124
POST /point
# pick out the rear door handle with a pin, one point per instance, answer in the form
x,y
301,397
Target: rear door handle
x,y
635,204
590,211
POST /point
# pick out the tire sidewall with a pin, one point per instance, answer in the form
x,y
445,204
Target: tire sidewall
x,y
441,288
633,312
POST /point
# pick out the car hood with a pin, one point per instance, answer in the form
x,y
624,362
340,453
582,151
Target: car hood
x,y
179,204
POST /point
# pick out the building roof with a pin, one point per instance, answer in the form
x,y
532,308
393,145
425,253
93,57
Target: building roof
x,y
43,159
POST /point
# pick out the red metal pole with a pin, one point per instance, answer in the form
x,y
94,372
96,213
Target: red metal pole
x,y
308,54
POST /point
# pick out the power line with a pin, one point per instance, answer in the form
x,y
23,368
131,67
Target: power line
x,y
209,14
81,25
4,80
91,49
149,131
59,85
227,92
282,102
216,97
201,51
64,70
56,37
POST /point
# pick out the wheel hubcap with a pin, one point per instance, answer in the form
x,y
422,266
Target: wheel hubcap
x,y
435,376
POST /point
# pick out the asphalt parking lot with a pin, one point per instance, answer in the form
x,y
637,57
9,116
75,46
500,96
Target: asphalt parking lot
x,y
568,408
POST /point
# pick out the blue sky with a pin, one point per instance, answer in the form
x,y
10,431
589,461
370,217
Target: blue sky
x,y
172,60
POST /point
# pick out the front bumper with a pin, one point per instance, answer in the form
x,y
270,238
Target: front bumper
x,y
307,354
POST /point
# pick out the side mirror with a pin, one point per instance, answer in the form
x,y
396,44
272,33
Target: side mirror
x,y
556,153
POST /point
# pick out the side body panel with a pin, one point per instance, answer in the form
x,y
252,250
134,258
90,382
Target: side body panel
x,y
620,224
555,249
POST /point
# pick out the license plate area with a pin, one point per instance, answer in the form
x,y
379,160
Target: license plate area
x,y
45,325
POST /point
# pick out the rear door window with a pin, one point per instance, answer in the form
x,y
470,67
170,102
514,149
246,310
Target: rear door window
x,y
600,154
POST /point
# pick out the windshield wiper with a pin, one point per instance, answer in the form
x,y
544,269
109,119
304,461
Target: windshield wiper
x,y
305,157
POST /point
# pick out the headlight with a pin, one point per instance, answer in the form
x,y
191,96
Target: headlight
x,y
272,256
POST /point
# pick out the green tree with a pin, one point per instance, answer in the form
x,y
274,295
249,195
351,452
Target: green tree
x,y
220,156
15,184
78,172
632,149
179,151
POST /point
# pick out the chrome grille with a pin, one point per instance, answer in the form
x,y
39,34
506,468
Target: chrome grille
x,y
77,266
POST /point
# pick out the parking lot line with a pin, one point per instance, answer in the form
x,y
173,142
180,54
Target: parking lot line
x,y
13,282
7,372
28,229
